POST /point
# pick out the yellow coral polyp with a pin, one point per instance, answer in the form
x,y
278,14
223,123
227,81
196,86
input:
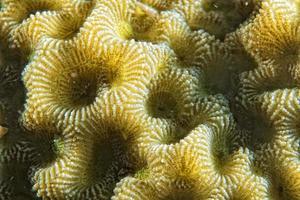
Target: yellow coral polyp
x,y
290,111
25,8
283,172
110,158
146,13
286,182
182,180
75,87
273,29
134,188
253,188
19,16
54,30
129,20
179,182
48,170
216,17
113,19
165,99
187,45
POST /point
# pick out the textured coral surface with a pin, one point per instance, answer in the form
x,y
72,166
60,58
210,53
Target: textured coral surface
x,y
149,99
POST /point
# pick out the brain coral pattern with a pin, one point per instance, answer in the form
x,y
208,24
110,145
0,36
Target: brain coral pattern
x,y
149,99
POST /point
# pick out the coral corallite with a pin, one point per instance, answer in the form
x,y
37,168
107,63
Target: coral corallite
x,y
149,100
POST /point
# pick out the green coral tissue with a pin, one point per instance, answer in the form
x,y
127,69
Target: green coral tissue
x,y
149,99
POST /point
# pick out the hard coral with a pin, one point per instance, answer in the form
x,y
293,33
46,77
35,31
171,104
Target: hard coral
x,y
149,99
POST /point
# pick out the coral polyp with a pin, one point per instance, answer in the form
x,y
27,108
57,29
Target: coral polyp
x,y
78,82
110,159
19,16
166,98
149,100
281,35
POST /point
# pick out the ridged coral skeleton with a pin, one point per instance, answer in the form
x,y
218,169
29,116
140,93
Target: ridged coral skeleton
x,y
81,81
281,35
19,16
149,99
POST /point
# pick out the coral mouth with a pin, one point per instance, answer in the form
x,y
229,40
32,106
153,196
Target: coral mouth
x,y
83,91
81,88
162,105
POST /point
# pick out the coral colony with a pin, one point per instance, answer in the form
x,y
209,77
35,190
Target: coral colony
x,y
149,99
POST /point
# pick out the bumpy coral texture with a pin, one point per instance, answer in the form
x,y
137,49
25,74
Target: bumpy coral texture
x,y
149,99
